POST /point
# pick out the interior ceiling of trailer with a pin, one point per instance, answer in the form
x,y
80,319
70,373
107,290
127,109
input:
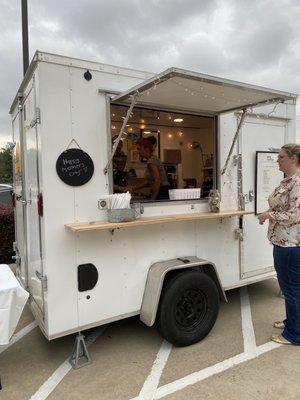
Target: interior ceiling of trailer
x,y
141,116
184,90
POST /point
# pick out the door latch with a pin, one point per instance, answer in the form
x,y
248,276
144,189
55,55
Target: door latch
x,y
21,200
251,195
25,202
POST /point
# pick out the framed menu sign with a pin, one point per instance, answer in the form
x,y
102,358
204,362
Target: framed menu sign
x,y
267,177
74,167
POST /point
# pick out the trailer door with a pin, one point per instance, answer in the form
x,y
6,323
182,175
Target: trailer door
x,y
256,135
20,244
32,190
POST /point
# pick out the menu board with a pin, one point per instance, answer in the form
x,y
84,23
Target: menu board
x,y
74,167
267,177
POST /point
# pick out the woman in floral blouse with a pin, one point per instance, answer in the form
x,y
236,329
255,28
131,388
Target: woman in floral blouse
x,y
284,234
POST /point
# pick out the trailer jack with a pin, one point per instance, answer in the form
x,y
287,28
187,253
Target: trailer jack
x,y
80,356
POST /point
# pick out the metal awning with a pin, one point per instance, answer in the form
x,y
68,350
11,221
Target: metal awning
x,y
188,91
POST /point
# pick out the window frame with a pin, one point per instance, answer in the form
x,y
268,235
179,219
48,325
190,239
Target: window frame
x,y
215,141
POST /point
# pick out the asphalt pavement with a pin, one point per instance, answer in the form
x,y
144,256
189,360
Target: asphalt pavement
x,y
236,361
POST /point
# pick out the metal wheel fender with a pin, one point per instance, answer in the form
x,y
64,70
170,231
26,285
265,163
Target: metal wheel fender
x,y
157,274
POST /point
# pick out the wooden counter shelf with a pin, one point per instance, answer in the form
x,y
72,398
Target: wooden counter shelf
x,y
161,219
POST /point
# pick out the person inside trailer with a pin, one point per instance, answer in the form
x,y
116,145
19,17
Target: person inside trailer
x,y
119,163
156,175
152,139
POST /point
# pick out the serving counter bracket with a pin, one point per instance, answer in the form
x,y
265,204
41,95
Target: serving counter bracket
x,y
104,225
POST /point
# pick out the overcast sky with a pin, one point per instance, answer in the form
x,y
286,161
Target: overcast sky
x,y
254,41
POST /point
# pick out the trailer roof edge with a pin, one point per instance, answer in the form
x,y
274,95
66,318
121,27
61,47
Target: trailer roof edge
x,y
40,56
25,80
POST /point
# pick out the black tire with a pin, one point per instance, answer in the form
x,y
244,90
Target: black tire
x,y
188,308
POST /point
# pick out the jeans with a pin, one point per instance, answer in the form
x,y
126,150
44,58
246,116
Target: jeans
x,y
287,266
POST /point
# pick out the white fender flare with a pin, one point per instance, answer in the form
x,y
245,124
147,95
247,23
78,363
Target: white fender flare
x,y
155,279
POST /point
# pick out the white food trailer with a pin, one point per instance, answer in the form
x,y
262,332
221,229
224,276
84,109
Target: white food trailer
x,y
173,264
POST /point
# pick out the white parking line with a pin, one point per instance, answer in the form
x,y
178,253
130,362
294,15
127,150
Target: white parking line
x,y
50,384
148,390
19,335
197,377
247,324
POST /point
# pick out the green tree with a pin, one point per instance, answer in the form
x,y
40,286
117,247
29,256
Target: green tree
x,y
6,163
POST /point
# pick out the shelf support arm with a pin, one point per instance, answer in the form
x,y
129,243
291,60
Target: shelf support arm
x,y
243,116
133,102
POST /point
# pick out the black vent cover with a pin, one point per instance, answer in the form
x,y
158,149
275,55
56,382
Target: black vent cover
x,y
87,277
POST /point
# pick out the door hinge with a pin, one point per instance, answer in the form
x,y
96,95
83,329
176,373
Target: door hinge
x,y
17,259
25,202
237,159
37,119
242,201
246,198
239,234
43,279
17,256
20,199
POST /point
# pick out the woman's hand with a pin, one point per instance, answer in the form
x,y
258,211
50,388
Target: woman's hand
x,y
263,217
129,189
119,188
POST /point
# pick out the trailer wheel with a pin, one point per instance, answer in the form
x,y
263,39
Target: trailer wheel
x,y
188,308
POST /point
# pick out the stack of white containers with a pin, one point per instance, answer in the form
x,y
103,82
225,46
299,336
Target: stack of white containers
x,y
118,201
184,194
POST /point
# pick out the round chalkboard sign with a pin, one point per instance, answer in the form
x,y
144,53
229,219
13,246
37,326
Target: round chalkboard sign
x,y
74,167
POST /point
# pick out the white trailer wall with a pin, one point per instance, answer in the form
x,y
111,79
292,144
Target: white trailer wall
x,y
71,108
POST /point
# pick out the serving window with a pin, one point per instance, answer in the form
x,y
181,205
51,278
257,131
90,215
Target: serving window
x,y
178,163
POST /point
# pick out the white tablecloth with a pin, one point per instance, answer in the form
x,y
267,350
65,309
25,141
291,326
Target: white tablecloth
x,y
12,301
